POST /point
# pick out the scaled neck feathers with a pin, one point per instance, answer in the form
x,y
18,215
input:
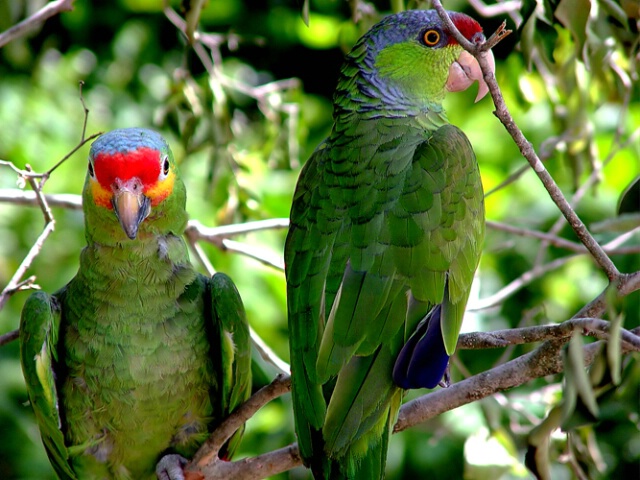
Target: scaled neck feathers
x,y
363,93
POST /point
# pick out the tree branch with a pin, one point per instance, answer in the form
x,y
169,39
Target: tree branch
x,y
16,282
208,452
526,148
591,327
9,337
41,16
543,361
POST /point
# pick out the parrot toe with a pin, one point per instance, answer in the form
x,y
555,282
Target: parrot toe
x,y
446,378
170,467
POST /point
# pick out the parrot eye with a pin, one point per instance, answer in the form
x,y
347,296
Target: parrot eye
x,y
431,37
90,168
165,167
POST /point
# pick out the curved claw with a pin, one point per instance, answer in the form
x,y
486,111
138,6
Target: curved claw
x,y
170,467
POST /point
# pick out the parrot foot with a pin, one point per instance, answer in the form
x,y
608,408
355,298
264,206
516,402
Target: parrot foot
x,y
170,467
446,378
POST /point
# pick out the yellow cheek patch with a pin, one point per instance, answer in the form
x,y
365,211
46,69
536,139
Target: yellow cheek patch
x,y
161,189
101,196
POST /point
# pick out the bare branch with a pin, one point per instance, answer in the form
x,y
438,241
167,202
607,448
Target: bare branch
x,y
16,280
219,236
28,24
17,196
268,354
264,256
526,148
627,283
592,327
215,235
545,360
256,468
485,10
206,459
9,337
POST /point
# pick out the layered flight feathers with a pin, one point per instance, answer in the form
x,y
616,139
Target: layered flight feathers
x,y
385,236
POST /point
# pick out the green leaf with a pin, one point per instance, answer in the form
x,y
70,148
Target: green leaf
x,y
304,12
574,15
580,406
630,199
537,456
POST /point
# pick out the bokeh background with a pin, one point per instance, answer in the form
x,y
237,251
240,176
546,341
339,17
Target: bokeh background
x,y
568,74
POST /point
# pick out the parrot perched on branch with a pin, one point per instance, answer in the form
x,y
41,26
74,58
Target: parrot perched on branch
x,y
386,230
138,357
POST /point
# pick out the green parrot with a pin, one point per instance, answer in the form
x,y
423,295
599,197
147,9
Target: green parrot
x,y
131,364
386,229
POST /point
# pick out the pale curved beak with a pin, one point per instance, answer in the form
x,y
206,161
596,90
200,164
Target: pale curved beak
x,y
130,205
465,71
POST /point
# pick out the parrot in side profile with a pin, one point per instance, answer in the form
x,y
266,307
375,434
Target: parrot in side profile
x,y
386,230
131,364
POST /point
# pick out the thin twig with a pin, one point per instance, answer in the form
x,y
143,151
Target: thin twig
x,y
215,235
16,280
30,23
520,282
263,255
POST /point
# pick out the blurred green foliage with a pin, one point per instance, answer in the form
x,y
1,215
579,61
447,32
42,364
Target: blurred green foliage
x,y
568,74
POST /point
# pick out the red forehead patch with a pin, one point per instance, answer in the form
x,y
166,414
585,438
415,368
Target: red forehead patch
x,y
468,26
143,163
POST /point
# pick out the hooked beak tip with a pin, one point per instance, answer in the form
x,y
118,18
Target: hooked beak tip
x,y
465,71
131,209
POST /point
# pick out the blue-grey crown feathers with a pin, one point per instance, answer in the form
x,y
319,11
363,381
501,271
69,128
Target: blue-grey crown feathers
x,y
127,139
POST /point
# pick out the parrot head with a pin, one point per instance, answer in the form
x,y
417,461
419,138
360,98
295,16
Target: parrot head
x,y
409,60
133,187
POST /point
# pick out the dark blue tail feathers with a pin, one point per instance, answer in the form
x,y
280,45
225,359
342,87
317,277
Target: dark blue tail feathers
x,y
423,359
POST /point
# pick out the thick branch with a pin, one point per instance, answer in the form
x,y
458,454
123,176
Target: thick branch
x,y
592,327
9,337
207,463
208,452
28,24
545,360
17,196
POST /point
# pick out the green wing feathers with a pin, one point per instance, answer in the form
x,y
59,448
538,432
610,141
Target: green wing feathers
x,y
361,277
234,355
39,330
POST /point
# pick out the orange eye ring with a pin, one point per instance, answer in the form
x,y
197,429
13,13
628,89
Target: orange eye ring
x,y
431,37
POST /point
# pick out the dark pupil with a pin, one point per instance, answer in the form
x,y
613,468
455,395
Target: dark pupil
x,y
432,37
91,169
165,166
